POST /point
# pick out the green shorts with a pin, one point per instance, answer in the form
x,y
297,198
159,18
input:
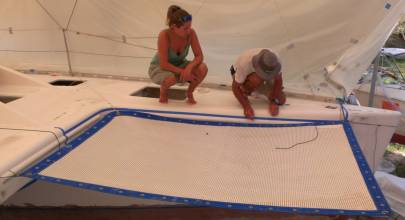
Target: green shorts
x,y
157,75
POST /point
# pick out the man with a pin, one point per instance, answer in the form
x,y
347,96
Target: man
x,y
253,69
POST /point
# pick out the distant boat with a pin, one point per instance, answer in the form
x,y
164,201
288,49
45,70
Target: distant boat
x,y
390,90
397,53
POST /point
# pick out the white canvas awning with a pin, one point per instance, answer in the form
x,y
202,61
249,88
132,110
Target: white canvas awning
x,y
316,39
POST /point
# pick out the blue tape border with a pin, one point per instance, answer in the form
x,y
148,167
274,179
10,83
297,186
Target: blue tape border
x,y
368,176
383,209
187,113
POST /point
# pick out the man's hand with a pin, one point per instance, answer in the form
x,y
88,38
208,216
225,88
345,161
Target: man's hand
x,y
249,113
243,100
273,108
276,96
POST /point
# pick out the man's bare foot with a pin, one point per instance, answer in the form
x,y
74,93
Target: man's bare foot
x,y
190,99
164,89
249,113
273,109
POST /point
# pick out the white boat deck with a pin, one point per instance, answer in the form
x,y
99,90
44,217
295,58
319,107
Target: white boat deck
x,y
43,111
52,107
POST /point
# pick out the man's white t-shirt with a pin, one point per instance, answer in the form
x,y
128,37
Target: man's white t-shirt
x,y
244,65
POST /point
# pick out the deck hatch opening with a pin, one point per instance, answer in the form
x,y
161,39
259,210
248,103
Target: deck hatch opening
x,y
154,92
65,82
7,99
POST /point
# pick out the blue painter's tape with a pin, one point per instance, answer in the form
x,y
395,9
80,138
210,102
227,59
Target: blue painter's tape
x,y
120,110
88,118
221,123
382,210
372,185
199,202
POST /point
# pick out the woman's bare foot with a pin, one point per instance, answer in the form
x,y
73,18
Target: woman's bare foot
x,y
190,99
164,99
164,89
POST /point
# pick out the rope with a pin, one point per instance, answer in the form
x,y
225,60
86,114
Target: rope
x,y
64,133
20,129
34,51
345,112
114,40
77,52
71,14
29,29
49,14
67,52
14,175
110,55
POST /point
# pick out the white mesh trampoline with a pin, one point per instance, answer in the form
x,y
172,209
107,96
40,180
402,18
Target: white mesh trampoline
x,y
302,166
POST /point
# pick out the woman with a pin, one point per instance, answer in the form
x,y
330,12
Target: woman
x,y
169,65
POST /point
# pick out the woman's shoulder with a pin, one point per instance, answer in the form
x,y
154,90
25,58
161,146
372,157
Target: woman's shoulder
x,y
192,31
193,34
163,32
163,36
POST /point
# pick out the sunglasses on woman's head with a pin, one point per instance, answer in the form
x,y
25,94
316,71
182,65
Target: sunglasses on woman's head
x,y
186,18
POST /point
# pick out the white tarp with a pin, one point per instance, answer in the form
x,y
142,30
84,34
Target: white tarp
x,y
393,188
118,37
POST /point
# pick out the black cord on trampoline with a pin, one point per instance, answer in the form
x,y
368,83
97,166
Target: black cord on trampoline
x,y
299,143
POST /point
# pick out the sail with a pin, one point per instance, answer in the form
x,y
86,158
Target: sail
x,y
324,45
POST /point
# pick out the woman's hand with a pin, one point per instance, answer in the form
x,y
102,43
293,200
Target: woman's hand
x,y
187,74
